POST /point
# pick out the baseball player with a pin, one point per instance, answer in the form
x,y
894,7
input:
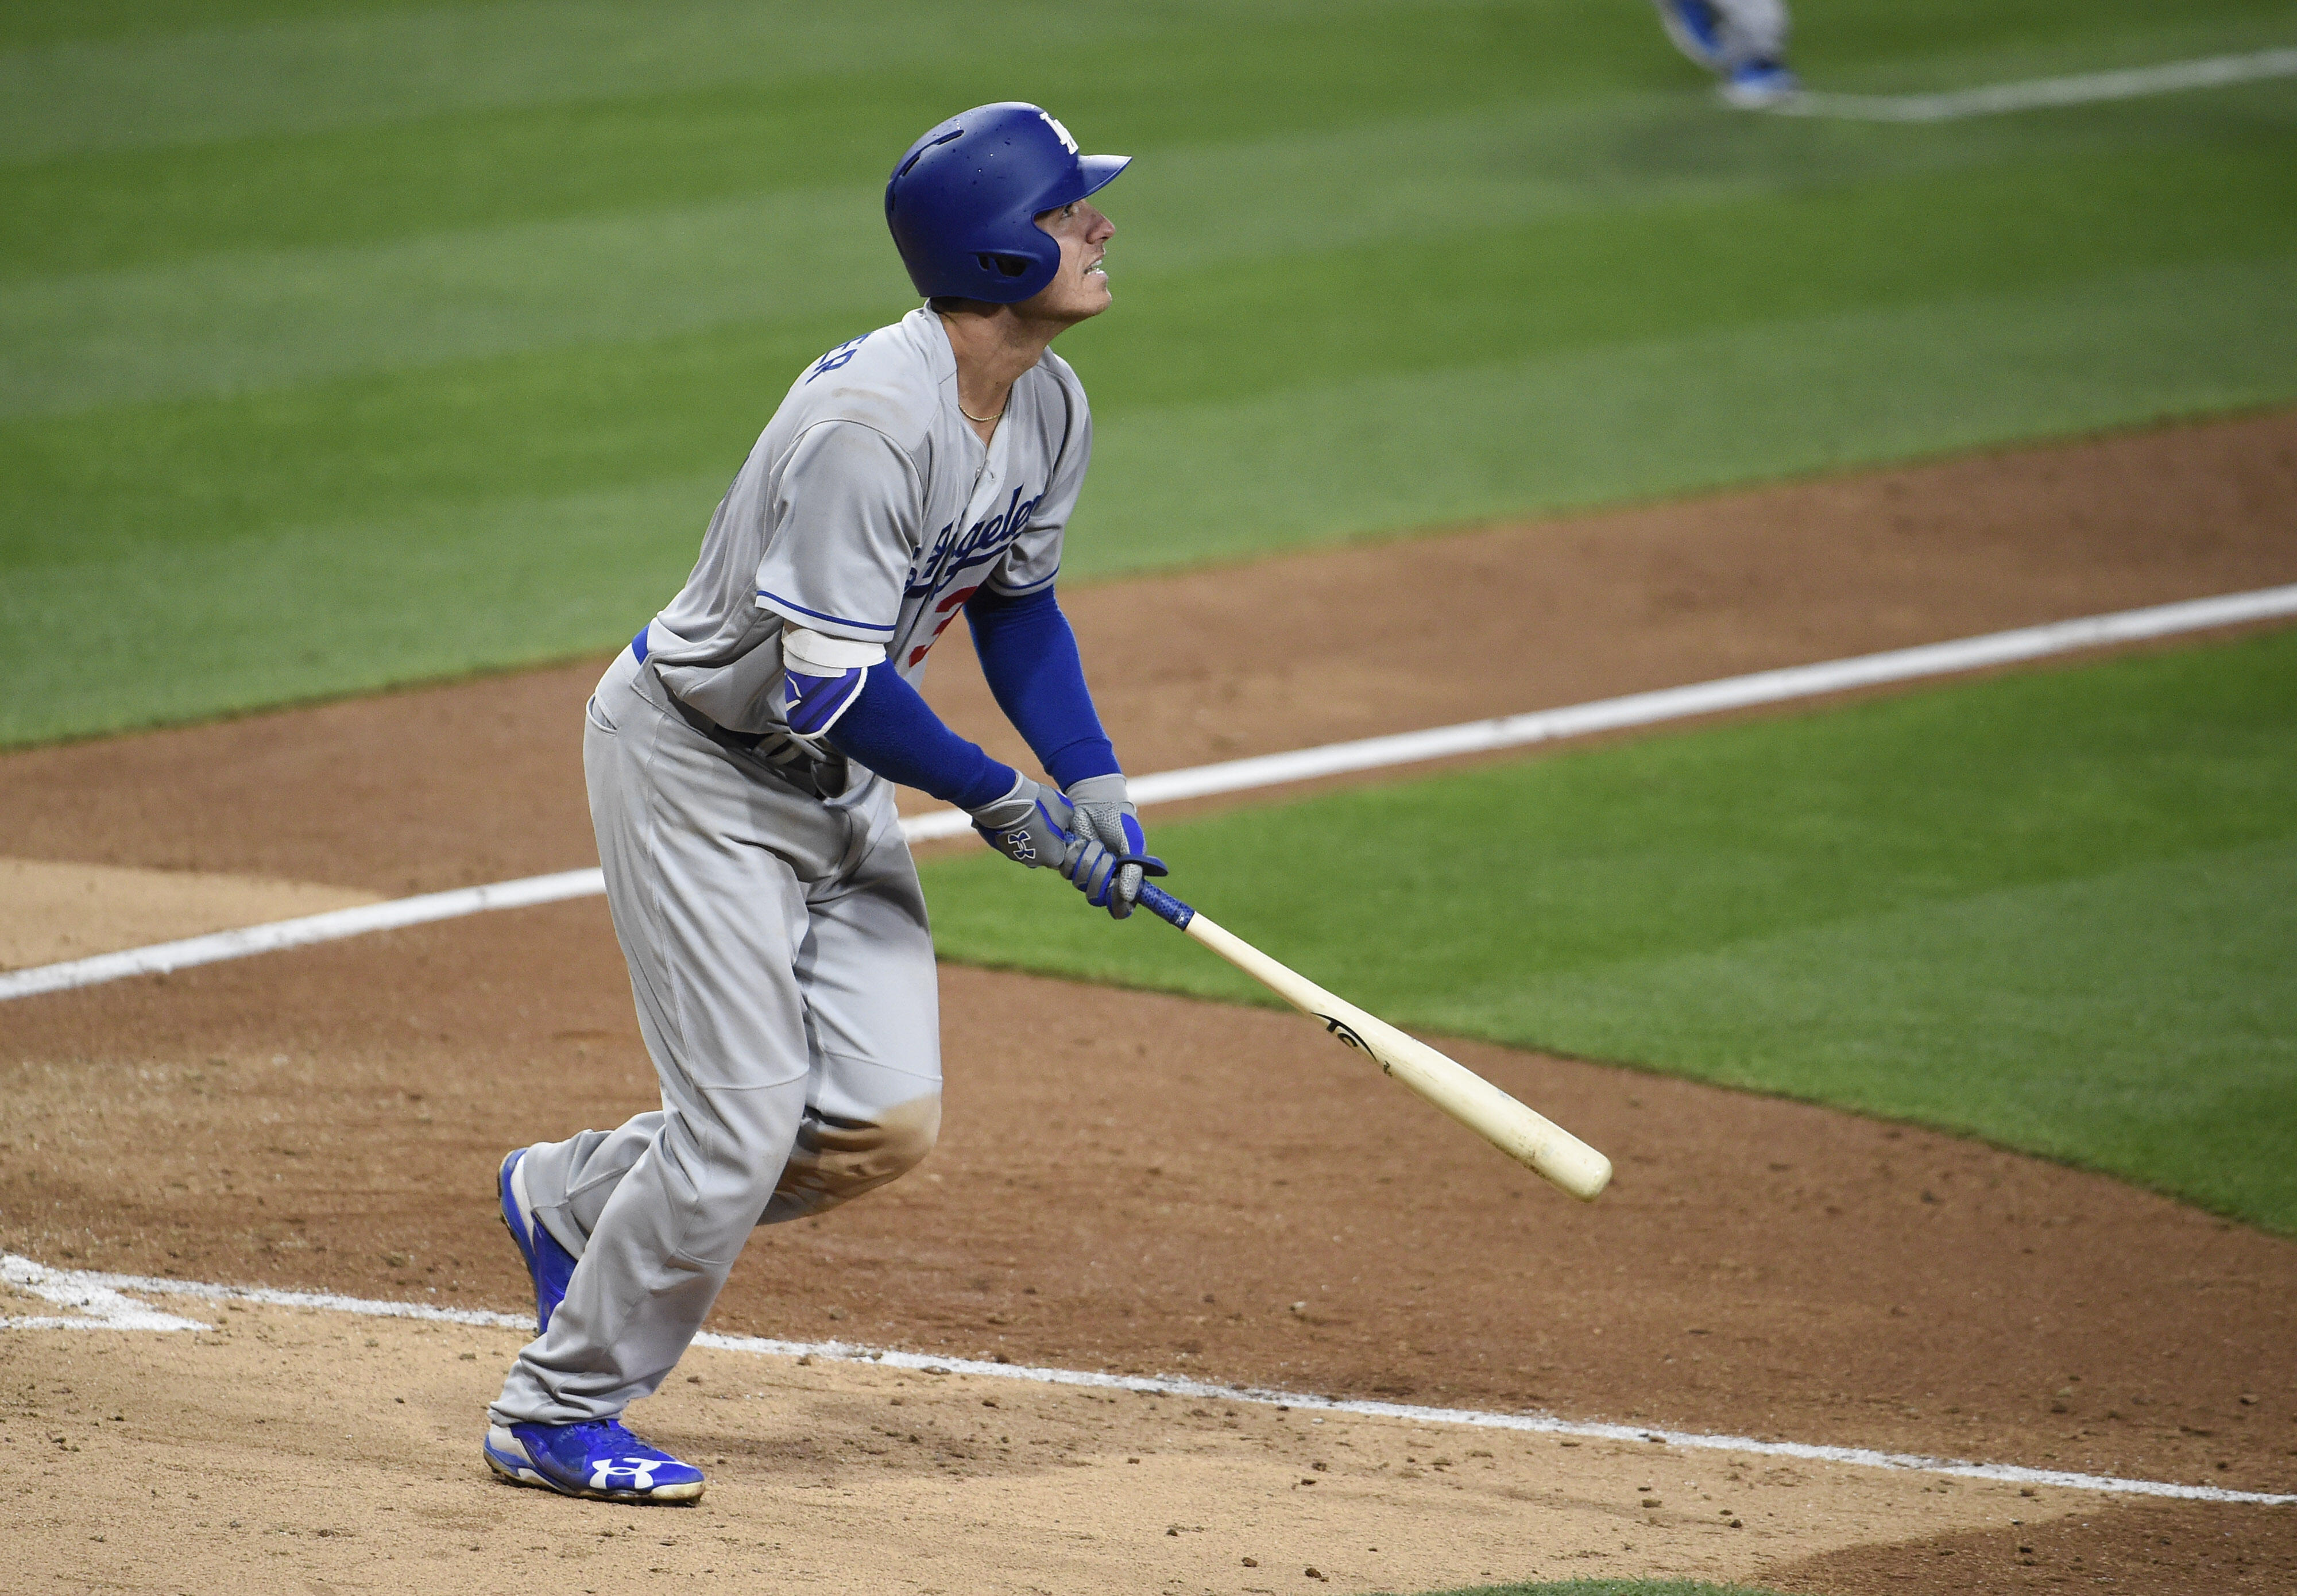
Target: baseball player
x,y
1742,41
741,756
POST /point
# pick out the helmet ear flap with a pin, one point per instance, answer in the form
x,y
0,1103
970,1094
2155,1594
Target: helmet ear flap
x,y
1005,265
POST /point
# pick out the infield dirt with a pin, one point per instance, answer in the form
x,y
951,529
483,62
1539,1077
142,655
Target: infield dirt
x,y
199,1452
1230,1199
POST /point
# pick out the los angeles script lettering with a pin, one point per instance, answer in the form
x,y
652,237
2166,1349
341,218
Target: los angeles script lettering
x,y
952,551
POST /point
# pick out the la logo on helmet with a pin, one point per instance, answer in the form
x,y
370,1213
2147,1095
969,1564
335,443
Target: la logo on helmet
x,y
1059,132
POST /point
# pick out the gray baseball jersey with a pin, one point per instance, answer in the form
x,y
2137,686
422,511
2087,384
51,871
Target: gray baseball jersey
x,y
870,510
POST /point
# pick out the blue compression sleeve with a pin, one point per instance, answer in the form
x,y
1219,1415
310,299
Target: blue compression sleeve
x,y
895,733
1029,656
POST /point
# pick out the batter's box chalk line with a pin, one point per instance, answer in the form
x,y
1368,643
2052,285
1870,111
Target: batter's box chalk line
x,y
102,1306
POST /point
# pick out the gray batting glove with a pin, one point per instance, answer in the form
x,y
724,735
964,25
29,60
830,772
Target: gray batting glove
x,y
1105,815
1030,826
1036,826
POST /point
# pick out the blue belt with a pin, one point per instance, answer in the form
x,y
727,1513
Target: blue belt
x,y
638,644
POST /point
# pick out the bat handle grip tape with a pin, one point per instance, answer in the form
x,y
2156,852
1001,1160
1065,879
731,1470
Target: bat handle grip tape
x,y
1161,903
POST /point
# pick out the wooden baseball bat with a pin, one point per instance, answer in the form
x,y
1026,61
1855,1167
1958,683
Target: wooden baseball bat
x,y
1539,1145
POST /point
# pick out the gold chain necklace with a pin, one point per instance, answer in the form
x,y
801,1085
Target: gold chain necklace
x,y
982,420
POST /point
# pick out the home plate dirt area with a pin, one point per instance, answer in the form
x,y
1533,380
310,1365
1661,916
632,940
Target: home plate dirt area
x,y
1126,1181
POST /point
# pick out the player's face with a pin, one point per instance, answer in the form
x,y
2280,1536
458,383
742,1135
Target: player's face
x,y
1080,288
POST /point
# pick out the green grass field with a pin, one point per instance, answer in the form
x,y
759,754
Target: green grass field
x,y
348,343
2055,909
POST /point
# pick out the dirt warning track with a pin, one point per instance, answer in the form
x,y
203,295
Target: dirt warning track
x,y
1114,1188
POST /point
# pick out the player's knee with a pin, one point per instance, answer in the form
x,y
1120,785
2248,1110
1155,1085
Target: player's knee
x,y
898,1143
836,1162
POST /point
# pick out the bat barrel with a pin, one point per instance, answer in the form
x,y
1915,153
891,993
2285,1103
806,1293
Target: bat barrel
x,y
1538,1143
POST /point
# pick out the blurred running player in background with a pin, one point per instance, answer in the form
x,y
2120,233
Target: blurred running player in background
x,y
1742,41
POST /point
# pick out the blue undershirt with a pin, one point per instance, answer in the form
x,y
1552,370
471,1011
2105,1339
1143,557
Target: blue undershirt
x,y
1029,655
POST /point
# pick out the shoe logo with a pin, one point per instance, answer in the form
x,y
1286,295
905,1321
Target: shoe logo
x,y
624,1473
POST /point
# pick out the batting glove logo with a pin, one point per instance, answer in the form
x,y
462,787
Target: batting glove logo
x,y
1019,844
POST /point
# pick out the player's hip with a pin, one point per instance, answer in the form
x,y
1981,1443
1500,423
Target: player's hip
x,y
653,763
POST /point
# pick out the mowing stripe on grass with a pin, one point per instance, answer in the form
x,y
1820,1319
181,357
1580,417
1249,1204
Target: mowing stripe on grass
x,y
106,1309
2046,93
1263,770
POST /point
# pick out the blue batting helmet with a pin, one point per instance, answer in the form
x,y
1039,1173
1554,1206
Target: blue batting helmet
x,y
963,202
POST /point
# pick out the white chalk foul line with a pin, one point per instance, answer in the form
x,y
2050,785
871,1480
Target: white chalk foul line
x,y
75,1285
1272,770
2041,94
336,923
96,1305
1728,693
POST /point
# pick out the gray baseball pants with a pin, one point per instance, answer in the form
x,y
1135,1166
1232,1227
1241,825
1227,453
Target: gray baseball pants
x,y
784,974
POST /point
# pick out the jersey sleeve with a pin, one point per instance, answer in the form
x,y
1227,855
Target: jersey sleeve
x,y
1034,557
844,515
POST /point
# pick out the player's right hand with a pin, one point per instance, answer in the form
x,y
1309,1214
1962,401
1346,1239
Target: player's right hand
x,y
1106,814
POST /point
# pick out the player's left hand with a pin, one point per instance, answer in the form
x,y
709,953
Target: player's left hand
x,y
1107,815
1032,826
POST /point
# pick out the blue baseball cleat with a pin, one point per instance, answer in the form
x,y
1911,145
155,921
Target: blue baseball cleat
x,y
1759,85
550,1264
599,1460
